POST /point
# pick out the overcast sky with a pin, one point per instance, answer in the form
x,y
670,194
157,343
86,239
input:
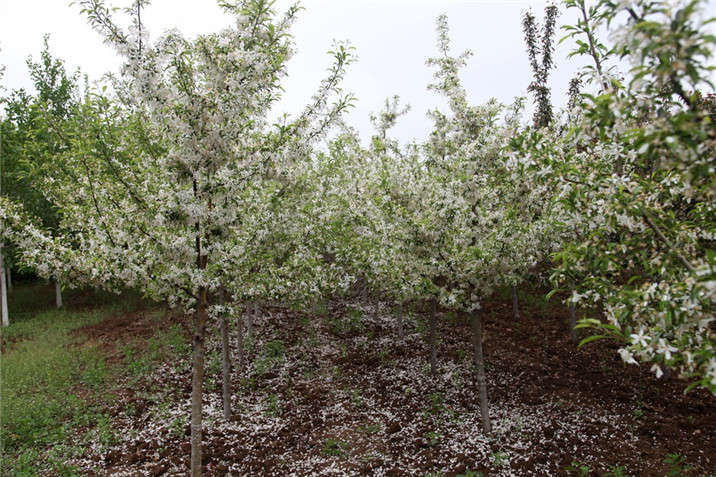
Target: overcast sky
x,y
393,38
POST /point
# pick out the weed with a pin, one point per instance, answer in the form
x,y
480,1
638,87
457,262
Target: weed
x,y
177,426
350,323
617,471
370,428
433,438
356,398
176,341
676,465
274,349
638,412
214,365
334,448
499,458
436,403
320,308
95,373
580,469
469,473
262,365
106,433
272,407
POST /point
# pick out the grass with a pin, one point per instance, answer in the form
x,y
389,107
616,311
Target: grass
x,y
40,378
53,385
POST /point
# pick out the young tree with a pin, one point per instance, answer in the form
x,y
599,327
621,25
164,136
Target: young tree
x,y
540,48
158,185
636,179
29,142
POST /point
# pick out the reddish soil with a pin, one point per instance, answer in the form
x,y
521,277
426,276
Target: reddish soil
x,y
332,399
122,329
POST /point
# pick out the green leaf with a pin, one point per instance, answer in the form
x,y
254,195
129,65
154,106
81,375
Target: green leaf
x,y
589,339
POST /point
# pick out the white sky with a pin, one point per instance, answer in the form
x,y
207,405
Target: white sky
x,y
393,38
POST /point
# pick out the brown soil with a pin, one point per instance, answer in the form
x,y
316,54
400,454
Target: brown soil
x,y
118,330
338,400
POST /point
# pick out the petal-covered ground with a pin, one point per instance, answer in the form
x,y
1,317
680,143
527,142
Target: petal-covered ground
x,y
342,394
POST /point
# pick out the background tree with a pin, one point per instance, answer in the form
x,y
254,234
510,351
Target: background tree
x,y
156,183
30,142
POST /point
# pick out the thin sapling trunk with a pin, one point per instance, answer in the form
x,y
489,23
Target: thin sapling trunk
x,y
573,322
250,323
197,383
479,366
433,339
515,304
573,319
3,294
8,273
240,338
225,361
58,295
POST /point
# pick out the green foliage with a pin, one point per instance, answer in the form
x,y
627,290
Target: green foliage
x,y
352,322
577,468
334,448
499,458
617,471
436,403
677,467
274,349
469,473
433,438
370,428
40,374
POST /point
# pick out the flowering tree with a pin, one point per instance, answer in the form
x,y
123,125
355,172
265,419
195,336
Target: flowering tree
x,y
29,143
636,180
158,185
443,221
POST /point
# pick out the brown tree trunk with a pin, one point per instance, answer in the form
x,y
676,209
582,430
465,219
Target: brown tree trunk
x,y
433,339
573,322
515,304
479,366
197,383
250,322
240,333
58,295
225,361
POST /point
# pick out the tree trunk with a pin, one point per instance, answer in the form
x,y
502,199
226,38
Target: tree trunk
x,y
240,333
58,295
433,332
573,322
8,273
401,328
515,304
197,384
479,365
225,361
3,293
250,322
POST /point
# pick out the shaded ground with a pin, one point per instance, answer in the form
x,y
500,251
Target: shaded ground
x,y
342,395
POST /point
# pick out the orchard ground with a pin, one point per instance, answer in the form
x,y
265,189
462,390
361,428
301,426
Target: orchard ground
x,y
103,388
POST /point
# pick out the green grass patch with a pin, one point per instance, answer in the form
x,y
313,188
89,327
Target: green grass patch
x,y
39,378
55,385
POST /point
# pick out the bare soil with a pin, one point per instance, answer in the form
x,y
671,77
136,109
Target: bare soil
x,y
343,395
